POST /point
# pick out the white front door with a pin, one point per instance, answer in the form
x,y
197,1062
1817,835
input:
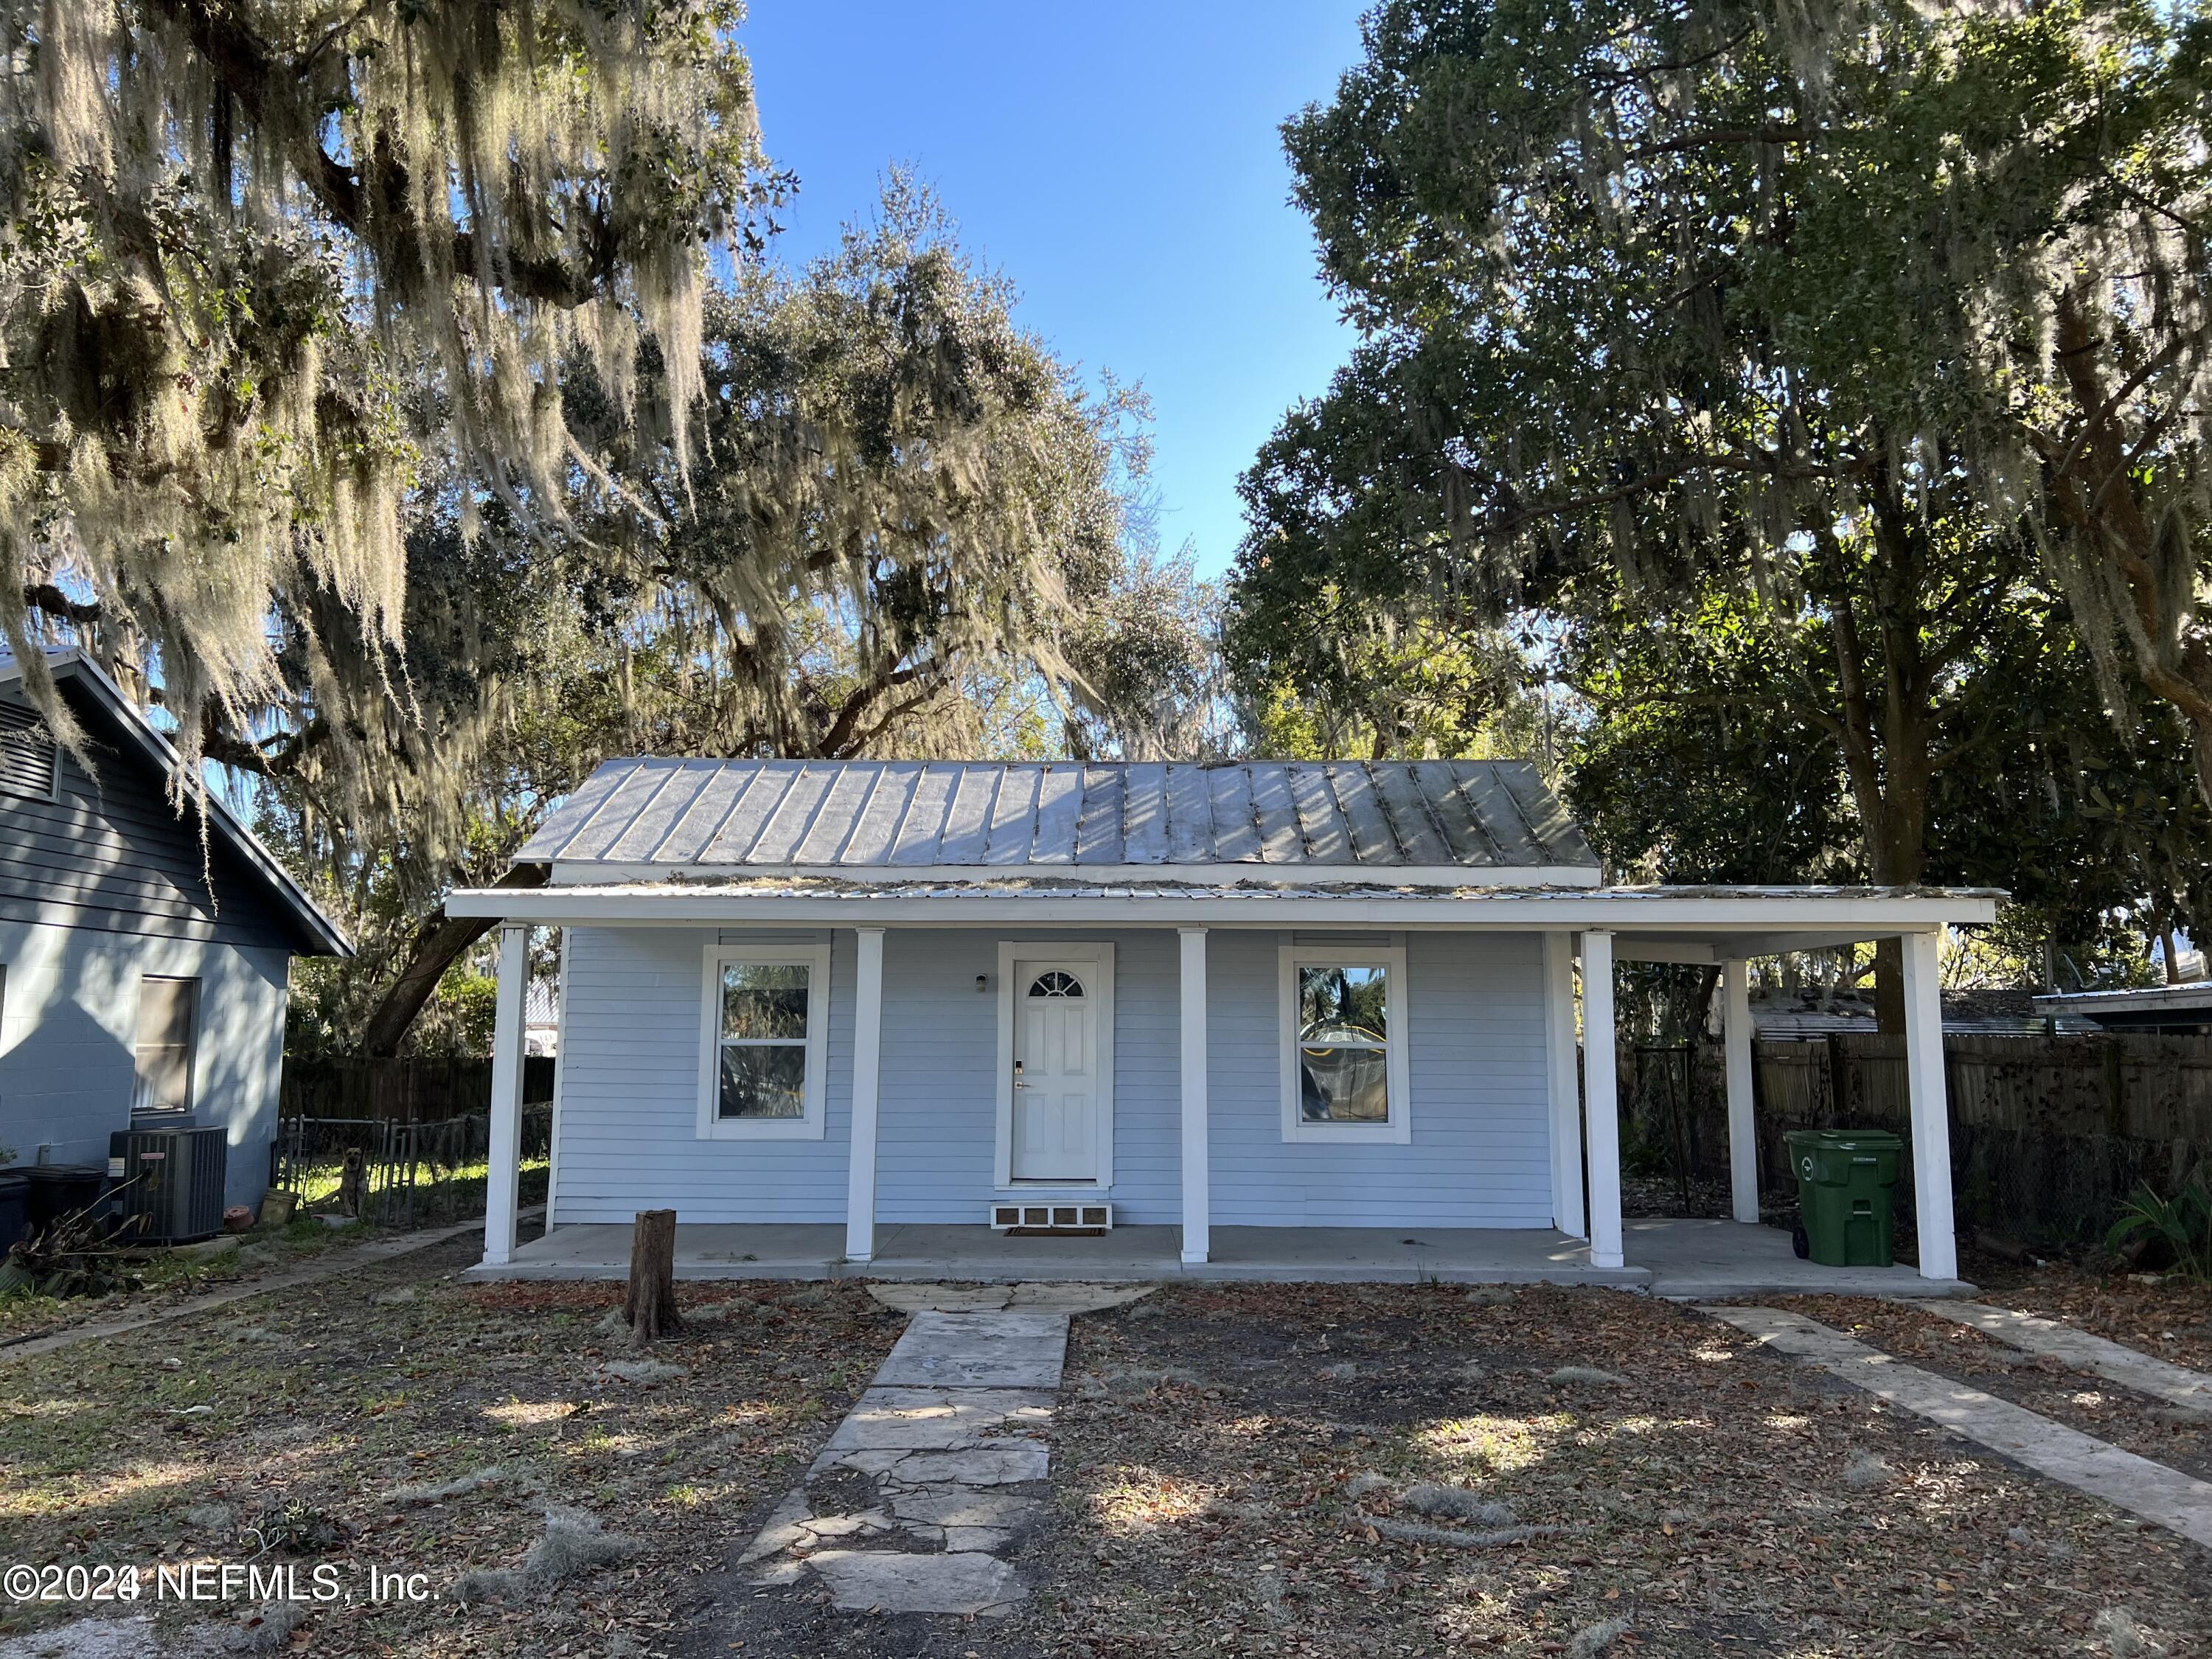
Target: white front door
x,y
1056,1126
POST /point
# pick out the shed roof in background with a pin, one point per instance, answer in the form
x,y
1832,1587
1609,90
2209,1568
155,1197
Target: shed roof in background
x,y
1780,1016
2186,1007
1365,820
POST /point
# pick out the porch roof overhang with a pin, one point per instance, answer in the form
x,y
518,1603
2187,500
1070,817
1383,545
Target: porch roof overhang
x,y
1666,924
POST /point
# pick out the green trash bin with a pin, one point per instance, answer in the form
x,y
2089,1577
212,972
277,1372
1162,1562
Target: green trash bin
x,y
1844,1178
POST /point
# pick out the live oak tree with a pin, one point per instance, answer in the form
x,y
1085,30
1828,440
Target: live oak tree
x,y
1703,756
901,514
270,268
1830,311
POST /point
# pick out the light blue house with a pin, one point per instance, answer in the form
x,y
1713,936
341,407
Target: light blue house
x,y
855,1014
143,972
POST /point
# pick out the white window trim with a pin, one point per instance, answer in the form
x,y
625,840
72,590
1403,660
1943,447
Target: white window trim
x,y
1098,954
1398,1130
810,1127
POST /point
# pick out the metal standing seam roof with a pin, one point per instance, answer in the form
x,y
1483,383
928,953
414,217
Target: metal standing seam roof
x,y
836,816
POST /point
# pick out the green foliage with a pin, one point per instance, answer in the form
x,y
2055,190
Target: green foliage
x,y
2183,1224
267,269
1740,297
910,532
1764,354
1700,761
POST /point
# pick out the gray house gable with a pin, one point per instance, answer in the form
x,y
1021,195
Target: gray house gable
x,y
104,848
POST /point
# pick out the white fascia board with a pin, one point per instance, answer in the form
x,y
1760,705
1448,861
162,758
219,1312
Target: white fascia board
x,y
591,873
1760,916
1692,952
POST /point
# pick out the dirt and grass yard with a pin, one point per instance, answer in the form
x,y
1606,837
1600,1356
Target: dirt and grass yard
x,y
1263,1469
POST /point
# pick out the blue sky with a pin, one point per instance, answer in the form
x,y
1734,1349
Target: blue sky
x,y
1120,163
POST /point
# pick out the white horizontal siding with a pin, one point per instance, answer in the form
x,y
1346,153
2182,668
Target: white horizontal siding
x,y
629,1092
1480,1156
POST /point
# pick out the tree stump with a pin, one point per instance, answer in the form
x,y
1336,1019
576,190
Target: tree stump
x,y
650,1302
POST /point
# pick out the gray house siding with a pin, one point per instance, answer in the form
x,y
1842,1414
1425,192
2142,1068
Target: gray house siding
x,y
1480,1155
68,1015
111,854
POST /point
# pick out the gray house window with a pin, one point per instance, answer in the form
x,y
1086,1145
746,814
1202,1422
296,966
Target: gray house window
x,y
30,760
168,1011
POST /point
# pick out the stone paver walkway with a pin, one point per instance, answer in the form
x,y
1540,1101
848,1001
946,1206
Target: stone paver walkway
x,y
2084,1351
2172,1500
932,1481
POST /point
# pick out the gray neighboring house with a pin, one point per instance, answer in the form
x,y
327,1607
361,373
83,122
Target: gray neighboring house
x,y
141,972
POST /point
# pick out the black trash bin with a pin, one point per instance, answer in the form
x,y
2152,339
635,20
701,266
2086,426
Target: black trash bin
x,y
15,1207
60,1189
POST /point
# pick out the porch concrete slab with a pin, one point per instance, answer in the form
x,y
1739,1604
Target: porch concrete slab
x,y
939,1419
1701,1260
1472,1255
704,1250
974,1267
2085,1352
2167,1497
977,1351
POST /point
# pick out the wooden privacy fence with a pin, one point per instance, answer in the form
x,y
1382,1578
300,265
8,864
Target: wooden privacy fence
x,y
2049,1135
400,1090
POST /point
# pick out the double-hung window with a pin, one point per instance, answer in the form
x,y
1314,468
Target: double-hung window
x,y
1343,1032
168,1014
765,1025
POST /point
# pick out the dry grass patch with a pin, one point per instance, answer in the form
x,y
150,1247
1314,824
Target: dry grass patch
x,y
434,1434
1701,1502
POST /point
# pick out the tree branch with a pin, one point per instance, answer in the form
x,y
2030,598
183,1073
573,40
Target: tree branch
x,y
438,943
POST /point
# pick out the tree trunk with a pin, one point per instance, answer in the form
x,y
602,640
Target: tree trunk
x,y
650,1302
2147,562
1887,760
437,944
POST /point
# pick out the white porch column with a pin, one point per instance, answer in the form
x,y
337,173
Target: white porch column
x,y
1929,1092
1196,1184
1602,1089
1742,1124
1565,1085
868,1077
504,1154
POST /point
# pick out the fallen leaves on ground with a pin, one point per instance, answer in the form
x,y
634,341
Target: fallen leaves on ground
x,y
346,1413
1222,1452
2140,1423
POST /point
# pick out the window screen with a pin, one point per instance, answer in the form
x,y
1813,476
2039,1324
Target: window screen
x,y
169,1012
